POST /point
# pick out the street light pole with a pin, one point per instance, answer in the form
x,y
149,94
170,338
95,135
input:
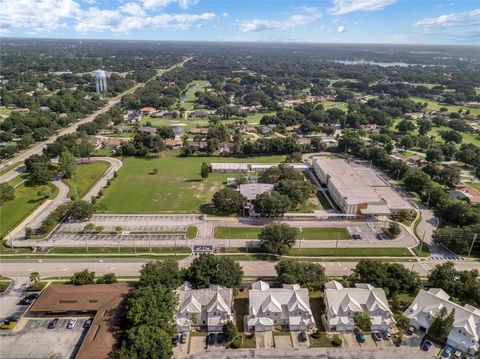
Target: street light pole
x,y
474,239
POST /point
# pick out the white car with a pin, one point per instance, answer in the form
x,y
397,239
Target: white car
x,y
71,323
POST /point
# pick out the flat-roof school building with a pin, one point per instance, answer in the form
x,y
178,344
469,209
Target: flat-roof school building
x,y
357,189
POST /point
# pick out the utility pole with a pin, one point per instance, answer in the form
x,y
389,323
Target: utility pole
x,y
148,236
474,239
421,242
300,241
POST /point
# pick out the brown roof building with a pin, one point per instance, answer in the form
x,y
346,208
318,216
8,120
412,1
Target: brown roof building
x,y
104,301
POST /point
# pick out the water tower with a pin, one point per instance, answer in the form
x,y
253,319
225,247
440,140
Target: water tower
x,y
100,81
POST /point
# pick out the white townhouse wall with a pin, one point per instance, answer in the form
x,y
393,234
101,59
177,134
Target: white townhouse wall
x,y
357,189
209,307
288,306
341,304
465,334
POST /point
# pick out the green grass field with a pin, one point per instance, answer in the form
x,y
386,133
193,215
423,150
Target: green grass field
x,y
26,200
435,105
194,86
332,104
467,137
9,168
307,233
84,177
122,250
176,188
351,252
5,111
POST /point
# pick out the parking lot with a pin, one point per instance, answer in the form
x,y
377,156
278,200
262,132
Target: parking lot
x,y
35,340
9,300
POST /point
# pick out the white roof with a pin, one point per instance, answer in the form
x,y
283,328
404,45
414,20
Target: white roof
x,y
362,298
277,299
359,184
251,190
213,298
430,302
230,166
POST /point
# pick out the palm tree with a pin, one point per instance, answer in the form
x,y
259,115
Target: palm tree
x,y
34,278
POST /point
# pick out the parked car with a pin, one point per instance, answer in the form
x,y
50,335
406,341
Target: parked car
x,y
410,330
426,345
211,338
175,340
71,323
53,323
183,338
33,296
303,336
458,354
386,335
447,351
360,337
25,301
376,336
220,338
88,323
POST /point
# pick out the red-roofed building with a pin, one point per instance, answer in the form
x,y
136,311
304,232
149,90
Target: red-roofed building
x,y
146,111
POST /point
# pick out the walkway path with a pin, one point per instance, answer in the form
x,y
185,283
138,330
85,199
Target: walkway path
x,y
115,165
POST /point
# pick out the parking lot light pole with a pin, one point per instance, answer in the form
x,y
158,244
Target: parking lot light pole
x,y
300,241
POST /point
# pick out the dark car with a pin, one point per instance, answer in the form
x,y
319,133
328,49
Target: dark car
x,y
376,336
32,296
175,340
360,337
88,323
25,301
426,346
183,338
211,338
53,323
220,338
302,336
386,335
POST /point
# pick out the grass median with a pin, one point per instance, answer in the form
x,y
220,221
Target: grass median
x,y
84,178
306,234
120,250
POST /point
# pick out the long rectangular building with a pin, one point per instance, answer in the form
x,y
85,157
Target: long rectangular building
x,y
357,189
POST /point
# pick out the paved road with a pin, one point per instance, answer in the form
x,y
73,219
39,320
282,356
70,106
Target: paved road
x,y
38,148
18,234
115,165
132,266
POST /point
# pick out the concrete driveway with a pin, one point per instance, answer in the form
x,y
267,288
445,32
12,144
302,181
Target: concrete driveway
x,y
264,339
181,351
297,344
283,341
197,344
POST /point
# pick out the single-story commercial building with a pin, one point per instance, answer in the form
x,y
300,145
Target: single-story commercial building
x,y
103,301
252,190
229,167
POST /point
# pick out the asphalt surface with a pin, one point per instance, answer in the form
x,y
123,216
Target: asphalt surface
x,y
131,266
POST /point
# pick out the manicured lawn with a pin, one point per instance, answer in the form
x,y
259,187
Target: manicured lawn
x,y
84,177
26,200
5,111
332,104
194,86
176,188
474,185
240,307
185,124
435,105
307,233
351,252
466,137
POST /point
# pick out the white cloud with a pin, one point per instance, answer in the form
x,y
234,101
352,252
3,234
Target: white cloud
x,y
456,25
37,15
157,4
97,20
132,9
468,18
341,29
293,21
225,14
341,7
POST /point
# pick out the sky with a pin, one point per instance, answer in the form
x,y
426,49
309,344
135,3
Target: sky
x,y
316,21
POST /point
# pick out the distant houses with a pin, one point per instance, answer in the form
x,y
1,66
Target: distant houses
x,y
147,111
